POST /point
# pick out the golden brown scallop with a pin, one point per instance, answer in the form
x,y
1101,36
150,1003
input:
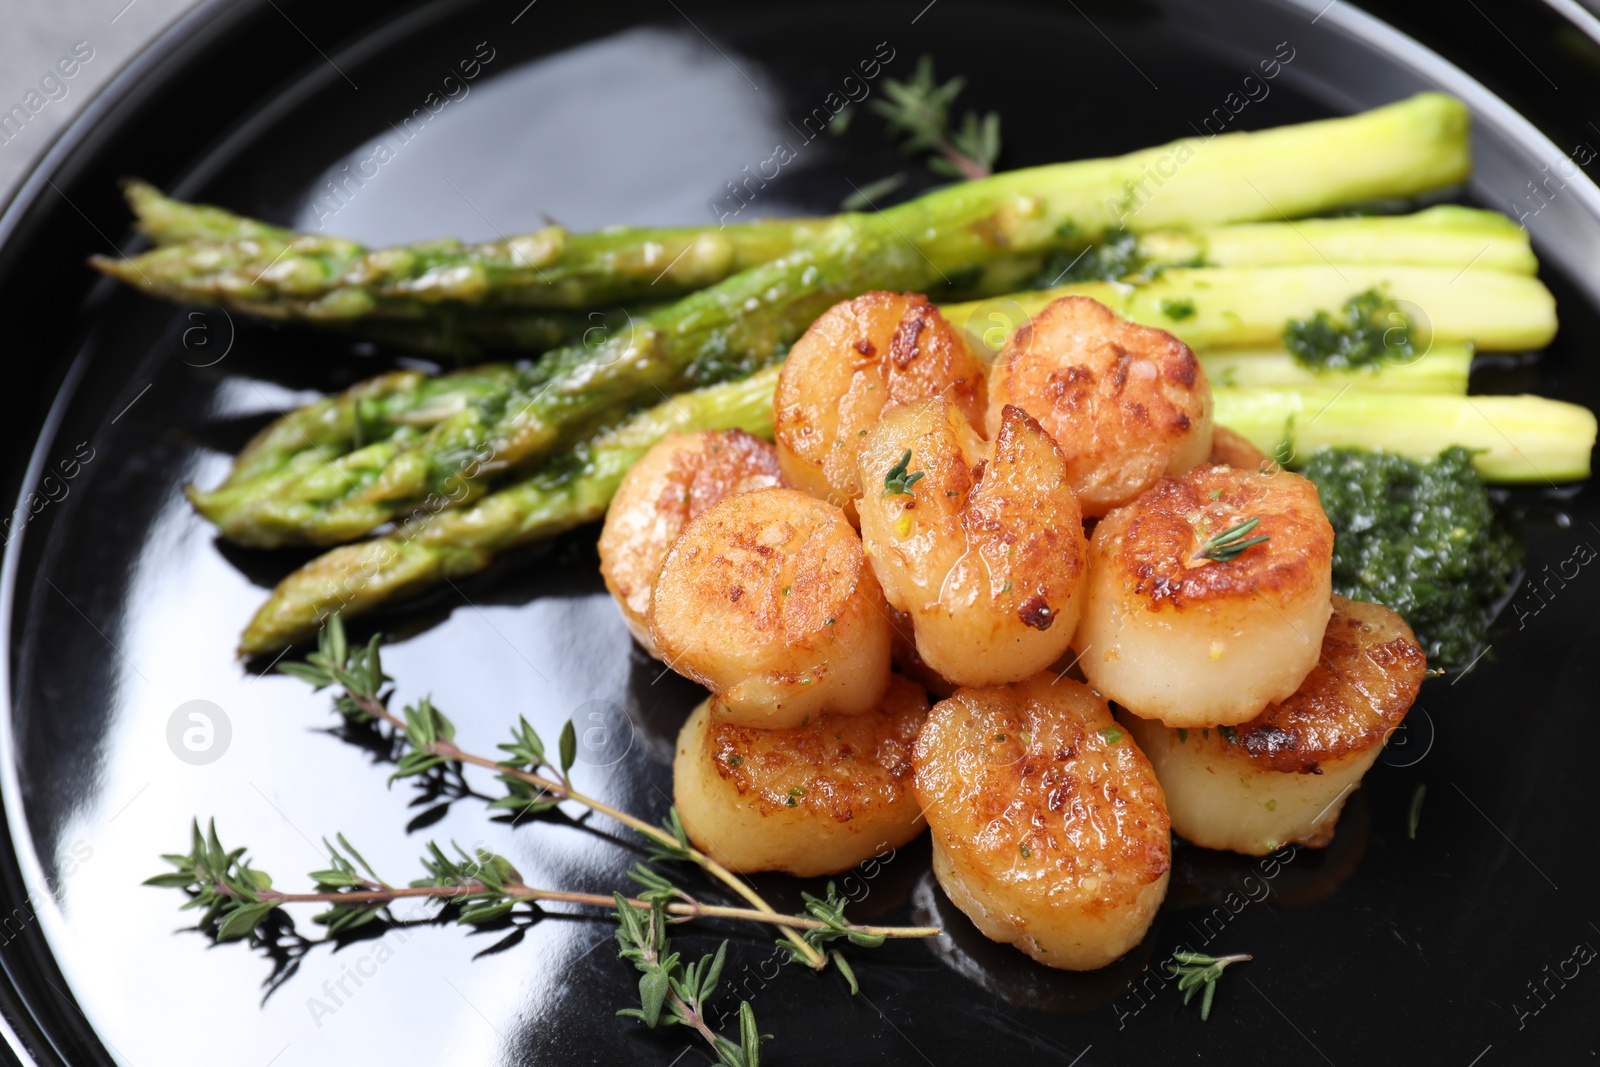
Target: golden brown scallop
x,y
1174,630
986,555
671,484
809,800
1128,404
1282,778
766,598
860,357
1049,827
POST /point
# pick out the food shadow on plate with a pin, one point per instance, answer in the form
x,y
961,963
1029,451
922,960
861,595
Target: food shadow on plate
x,y
565,566
1208,888
1206,880
279,941
1007,973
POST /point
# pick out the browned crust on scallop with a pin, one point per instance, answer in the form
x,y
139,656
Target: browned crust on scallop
x,y
1154,541
1071,368
732,562
740,580
1366,680
858,358
838,766
654,503
730,459
1020,765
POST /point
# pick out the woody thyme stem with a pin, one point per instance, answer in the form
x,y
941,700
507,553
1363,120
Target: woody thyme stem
x,y
563,790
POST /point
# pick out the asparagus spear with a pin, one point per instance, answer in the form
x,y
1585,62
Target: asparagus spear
x,y
1442,369
572,490
166,221
1238,307
1405,148
1442,236
1514,438
211,255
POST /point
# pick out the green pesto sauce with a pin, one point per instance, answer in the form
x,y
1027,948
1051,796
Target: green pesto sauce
x,y
1116,255
1420,538
1366,332
1113,256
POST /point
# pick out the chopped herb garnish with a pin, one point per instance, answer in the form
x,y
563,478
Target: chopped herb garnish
x,y
897,482
1112,735
1026,851
1177,310
1229,734
734,761
1195,972
1228,544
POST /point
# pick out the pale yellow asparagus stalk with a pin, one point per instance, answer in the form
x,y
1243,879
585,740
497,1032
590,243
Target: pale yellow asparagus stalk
x,y
1514,438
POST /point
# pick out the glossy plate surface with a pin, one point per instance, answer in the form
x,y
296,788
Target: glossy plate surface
x,y
123,608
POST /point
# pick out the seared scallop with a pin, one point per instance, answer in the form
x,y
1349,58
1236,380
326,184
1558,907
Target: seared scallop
x,y
672,483
986,555
1282,778
1128,404
860,357
767,600
809,800
1049,827
1207,597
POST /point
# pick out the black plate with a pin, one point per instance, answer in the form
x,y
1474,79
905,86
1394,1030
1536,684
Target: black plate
x,y
1466,942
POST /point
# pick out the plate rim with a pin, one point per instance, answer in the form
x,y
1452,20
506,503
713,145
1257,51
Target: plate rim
x,y
130,88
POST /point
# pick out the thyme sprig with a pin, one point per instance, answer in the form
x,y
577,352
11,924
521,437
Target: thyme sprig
x,y
1228,544
239,901
919,111
1199,973
671,993
897,482
532,782
237,898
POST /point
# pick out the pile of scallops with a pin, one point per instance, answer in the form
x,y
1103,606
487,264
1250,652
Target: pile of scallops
x,y
1121,616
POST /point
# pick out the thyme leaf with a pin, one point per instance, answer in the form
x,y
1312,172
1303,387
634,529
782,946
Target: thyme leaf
x,y
897,482
1228,544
